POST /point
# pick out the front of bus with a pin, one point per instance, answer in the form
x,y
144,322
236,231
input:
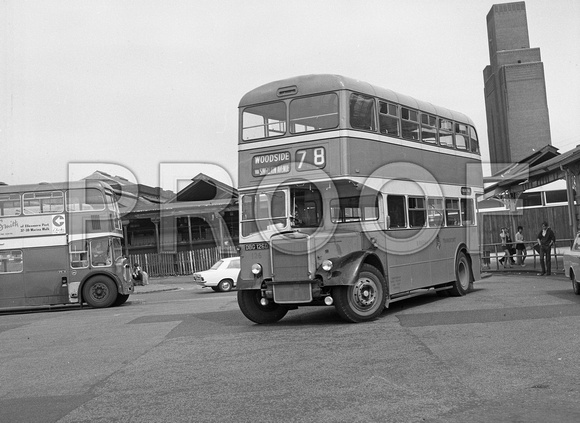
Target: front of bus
x,y
292,195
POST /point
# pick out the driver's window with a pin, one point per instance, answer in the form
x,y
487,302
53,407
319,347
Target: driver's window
x,y
100,252
306,207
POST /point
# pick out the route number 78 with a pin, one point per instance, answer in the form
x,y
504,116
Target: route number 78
x,y
312,156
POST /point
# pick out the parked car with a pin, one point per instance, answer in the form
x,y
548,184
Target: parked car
x,y
572,264
222,276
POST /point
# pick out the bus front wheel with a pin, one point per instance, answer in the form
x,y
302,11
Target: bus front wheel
x,y
100,292
121,299
365,300
250,305
462,276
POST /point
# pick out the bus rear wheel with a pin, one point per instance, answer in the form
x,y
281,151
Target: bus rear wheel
x,y
462,276
250,305
365,300
100,292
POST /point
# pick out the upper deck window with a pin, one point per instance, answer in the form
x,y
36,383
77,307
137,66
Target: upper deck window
x,y
43,202
461,136
473,141
388,119
409,123
85,199
446,133
362,112
265,121
314,113
428,128
10,205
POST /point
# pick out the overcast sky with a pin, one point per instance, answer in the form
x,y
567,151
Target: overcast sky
x,y
153,86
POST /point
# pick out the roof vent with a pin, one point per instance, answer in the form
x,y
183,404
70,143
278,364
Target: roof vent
x,y
286,91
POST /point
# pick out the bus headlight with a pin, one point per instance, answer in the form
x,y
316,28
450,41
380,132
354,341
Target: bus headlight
x,y
327,265
256,269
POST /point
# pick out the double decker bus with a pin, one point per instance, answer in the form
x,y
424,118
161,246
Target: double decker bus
x,y
352,195
61,243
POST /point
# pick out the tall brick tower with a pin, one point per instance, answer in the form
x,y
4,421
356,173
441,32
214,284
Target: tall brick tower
x,y
515,88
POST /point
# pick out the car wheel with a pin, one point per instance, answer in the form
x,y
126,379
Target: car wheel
x,y
225,285
575,284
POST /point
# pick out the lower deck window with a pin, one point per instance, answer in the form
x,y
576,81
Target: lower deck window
x,y
396,211
354,209
79,254
467,212
452,216
11,261
417,213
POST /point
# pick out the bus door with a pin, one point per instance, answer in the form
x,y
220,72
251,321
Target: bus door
x,y
12,290
46,275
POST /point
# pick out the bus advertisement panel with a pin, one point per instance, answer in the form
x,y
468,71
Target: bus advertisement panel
x,y
354,196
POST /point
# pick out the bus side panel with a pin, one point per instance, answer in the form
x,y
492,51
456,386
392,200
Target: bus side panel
x,y
409,258
12,290
443,253
45,269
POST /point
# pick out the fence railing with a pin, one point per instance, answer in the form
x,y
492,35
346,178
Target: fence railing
x,y
492,253
181,263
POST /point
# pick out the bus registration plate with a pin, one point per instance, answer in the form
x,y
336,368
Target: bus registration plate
x,y
256,246
292,293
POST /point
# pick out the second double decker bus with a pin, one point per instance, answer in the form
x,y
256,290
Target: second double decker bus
x,y
61,243
352,195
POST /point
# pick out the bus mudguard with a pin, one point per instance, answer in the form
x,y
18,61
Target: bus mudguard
x,y
345,269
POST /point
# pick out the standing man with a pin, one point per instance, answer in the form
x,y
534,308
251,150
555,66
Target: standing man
x,y
546,239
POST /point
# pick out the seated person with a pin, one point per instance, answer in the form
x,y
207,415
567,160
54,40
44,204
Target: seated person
x,y
137,274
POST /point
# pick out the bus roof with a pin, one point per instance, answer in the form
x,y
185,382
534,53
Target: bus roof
x,y
312,84
45,186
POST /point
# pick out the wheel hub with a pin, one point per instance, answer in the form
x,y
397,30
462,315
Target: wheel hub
x,y
99,291
364,293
